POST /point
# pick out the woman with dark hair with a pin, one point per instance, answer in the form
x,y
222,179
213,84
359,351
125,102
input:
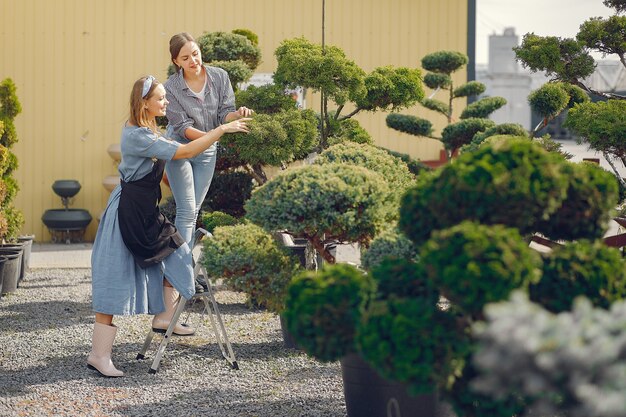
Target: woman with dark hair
x,y
140,263
201,98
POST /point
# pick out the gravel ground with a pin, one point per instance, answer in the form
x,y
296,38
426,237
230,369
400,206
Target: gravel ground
x,y
45,337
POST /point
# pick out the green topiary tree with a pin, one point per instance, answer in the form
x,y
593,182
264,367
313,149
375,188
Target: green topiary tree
x,y
441,65
592,193
474,264
251,261
11,219
274,140
323,332
392,169
210,220
229,192
340,80
407,339
569,61
390,243
582,268
324,203
266,99
513,182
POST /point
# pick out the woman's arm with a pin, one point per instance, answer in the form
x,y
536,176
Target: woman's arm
x,y
205,141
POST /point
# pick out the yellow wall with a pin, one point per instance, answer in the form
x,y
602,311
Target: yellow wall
x,y
74,61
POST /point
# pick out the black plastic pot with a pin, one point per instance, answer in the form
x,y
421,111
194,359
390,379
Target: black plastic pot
x,y
20,247
368,394
11,269
3,259
28,240
66,219
66,188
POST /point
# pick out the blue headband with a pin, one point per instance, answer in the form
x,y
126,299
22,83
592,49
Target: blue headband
x,y
147,83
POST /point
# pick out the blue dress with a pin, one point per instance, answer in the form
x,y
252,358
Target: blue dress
x,y
119,285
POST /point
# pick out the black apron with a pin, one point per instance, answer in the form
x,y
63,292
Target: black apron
x,y
147,234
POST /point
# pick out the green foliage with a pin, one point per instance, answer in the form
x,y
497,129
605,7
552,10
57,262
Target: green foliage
x,y
391,88
409,124
587,268
392,169
549,100
403,338
475,264
402,277
512,129
483,107
224,46
342,202
168,208
9,134
11,219
604,35
275,139
603,124
227,158
592,193
268,99
461,133
618,5
470,88
237,70
302,63
348,130
561,59
391,243
228,193
15,221
511,182
550,145
323,309
210,220
445,62
435,80
416,167
5,161
10,106
252,37
576,94
436,105
251,261
468,403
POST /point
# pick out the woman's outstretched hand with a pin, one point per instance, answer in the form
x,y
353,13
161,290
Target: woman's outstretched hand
x,y
237,126
244,112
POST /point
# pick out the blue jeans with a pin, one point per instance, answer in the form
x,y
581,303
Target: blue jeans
x,y
190,180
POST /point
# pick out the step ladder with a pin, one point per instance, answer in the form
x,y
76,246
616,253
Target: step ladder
x,y
210,309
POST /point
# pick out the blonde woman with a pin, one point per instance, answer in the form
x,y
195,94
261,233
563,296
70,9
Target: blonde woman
x,y
140,263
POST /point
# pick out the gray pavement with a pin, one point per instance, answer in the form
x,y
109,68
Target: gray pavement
x,y
60,255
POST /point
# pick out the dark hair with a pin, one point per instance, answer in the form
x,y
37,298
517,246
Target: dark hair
x,y
177,42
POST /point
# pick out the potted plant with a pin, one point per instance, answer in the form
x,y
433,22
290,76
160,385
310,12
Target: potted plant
x,y
251,261
472,252
324,203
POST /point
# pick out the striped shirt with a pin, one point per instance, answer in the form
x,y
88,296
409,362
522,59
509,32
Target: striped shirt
x,y
186,110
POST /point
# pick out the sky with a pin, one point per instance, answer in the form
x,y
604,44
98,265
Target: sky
x,y
560,18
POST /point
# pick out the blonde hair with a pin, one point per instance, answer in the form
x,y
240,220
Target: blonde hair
x,y
138,113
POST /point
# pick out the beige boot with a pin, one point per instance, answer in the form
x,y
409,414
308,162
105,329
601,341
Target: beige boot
x,y
101,346
161,321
